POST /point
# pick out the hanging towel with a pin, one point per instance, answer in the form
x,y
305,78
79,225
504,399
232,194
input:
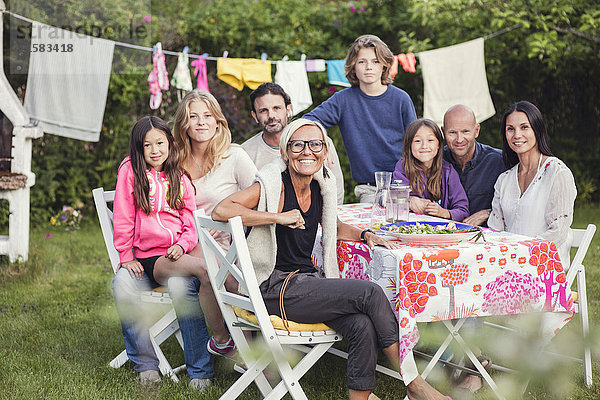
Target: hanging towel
x,y
336,73
408,62
291,76
66,90
200,71
456,75
394,68
317,65
181,76
238,72
158,79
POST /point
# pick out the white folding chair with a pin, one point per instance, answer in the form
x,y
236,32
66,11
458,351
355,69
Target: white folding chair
x,y
276,342
167,325
581,240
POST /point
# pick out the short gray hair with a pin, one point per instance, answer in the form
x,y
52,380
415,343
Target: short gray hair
x,y
292,127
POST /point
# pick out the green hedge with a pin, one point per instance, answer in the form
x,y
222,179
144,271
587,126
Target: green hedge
x,y
557,71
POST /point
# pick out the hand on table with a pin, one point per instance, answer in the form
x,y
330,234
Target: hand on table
x,y
134,267
436,210
174,253
373,240
478,218
417,204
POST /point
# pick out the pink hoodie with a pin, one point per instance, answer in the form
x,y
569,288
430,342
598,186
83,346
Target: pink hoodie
x,y
151,235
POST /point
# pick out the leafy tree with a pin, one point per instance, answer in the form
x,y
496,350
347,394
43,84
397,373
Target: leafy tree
x,y
551,60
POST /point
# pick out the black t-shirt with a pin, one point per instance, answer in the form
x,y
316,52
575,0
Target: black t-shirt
x,y
294,246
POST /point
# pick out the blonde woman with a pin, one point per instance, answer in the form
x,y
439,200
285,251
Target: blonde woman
x,y
216,166
291,197
217,169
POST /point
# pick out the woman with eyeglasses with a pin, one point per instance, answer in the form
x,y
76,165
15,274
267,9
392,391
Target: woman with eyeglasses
x,y
284,207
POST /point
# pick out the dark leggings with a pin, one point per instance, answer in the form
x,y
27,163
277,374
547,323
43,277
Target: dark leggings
x,y
357,309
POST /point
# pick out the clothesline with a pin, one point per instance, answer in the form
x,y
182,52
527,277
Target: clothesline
x,y
212,58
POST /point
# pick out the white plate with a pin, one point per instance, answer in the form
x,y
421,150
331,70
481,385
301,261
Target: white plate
x,y
431,238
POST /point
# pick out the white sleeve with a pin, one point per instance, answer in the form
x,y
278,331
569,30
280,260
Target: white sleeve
x,y
496,218
336,168
559,209
245,170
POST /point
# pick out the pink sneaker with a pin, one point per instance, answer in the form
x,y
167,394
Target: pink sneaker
x,y
225,350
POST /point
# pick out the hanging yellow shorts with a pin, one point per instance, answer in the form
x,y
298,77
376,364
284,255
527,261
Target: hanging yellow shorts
x,y
238,72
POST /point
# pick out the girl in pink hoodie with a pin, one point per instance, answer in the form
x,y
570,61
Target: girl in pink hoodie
x,y
154,230
154,201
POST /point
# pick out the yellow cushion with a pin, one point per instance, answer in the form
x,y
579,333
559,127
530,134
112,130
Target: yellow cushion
x,y
277,322
161,289
575,296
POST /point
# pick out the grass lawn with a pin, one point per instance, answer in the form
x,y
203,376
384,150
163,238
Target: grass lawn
x,y
59,329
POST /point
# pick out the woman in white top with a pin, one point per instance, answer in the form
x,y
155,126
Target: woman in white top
x,y
217,169
535,197
216,166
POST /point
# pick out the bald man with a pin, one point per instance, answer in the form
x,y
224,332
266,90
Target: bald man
x,y
478,165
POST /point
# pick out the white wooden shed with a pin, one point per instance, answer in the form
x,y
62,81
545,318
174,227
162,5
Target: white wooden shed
x,y
16,180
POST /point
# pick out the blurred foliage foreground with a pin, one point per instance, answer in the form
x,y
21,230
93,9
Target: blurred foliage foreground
x,y
551,60
59,329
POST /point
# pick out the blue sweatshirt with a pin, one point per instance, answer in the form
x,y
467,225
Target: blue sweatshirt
x,y
372,127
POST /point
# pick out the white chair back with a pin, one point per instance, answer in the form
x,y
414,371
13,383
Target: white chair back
x,y
167,325
102,199
237,262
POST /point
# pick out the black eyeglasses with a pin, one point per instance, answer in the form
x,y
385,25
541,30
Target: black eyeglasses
x,y
297,146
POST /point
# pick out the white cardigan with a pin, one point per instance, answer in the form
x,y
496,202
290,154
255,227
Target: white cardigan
x,y
262,243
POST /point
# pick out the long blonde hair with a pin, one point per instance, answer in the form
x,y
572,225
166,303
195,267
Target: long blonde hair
x,y
413,167
217,145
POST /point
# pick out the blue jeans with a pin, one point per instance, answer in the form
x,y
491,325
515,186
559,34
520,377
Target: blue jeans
x,y
184,292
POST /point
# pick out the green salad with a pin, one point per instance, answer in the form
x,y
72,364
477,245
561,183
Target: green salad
x,y
425,228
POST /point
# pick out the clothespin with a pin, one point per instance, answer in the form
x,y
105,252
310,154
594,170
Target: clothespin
x,y
263,57
186,50
158,47
285,58
303,57
225,54
205,55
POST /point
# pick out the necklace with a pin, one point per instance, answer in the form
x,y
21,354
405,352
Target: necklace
x,y
196,162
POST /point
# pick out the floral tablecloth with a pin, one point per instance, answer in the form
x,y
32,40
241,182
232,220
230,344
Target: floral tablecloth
x,y
505,274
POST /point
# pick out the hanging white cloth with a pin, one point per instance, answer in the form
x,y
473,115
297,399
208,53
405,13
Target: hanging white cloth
x,y
291,76
67,83
456,75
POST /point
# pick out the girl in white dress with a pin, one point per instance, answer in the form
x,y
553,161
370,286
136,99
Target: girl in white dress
x,y
535,197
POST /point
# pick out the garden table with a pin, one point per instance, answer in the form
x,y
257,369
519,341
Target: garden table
x,y
505,274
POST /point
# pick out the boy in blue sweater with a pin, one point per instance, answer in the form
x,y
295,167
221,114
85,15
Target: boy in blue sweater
x,y
372,114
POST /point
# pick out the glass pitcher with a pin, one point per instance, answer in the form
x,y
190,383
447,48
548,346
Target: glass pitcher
x,y
398,202
378,211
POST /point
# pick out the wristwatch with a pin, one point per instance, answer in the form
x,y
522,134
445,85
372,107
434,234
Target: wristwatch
x,y
363,233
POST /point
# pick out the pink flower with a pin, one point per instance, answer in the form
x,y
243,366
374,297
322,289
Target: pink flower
x,y
331,90
362,8
147,18
353,9
47,235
